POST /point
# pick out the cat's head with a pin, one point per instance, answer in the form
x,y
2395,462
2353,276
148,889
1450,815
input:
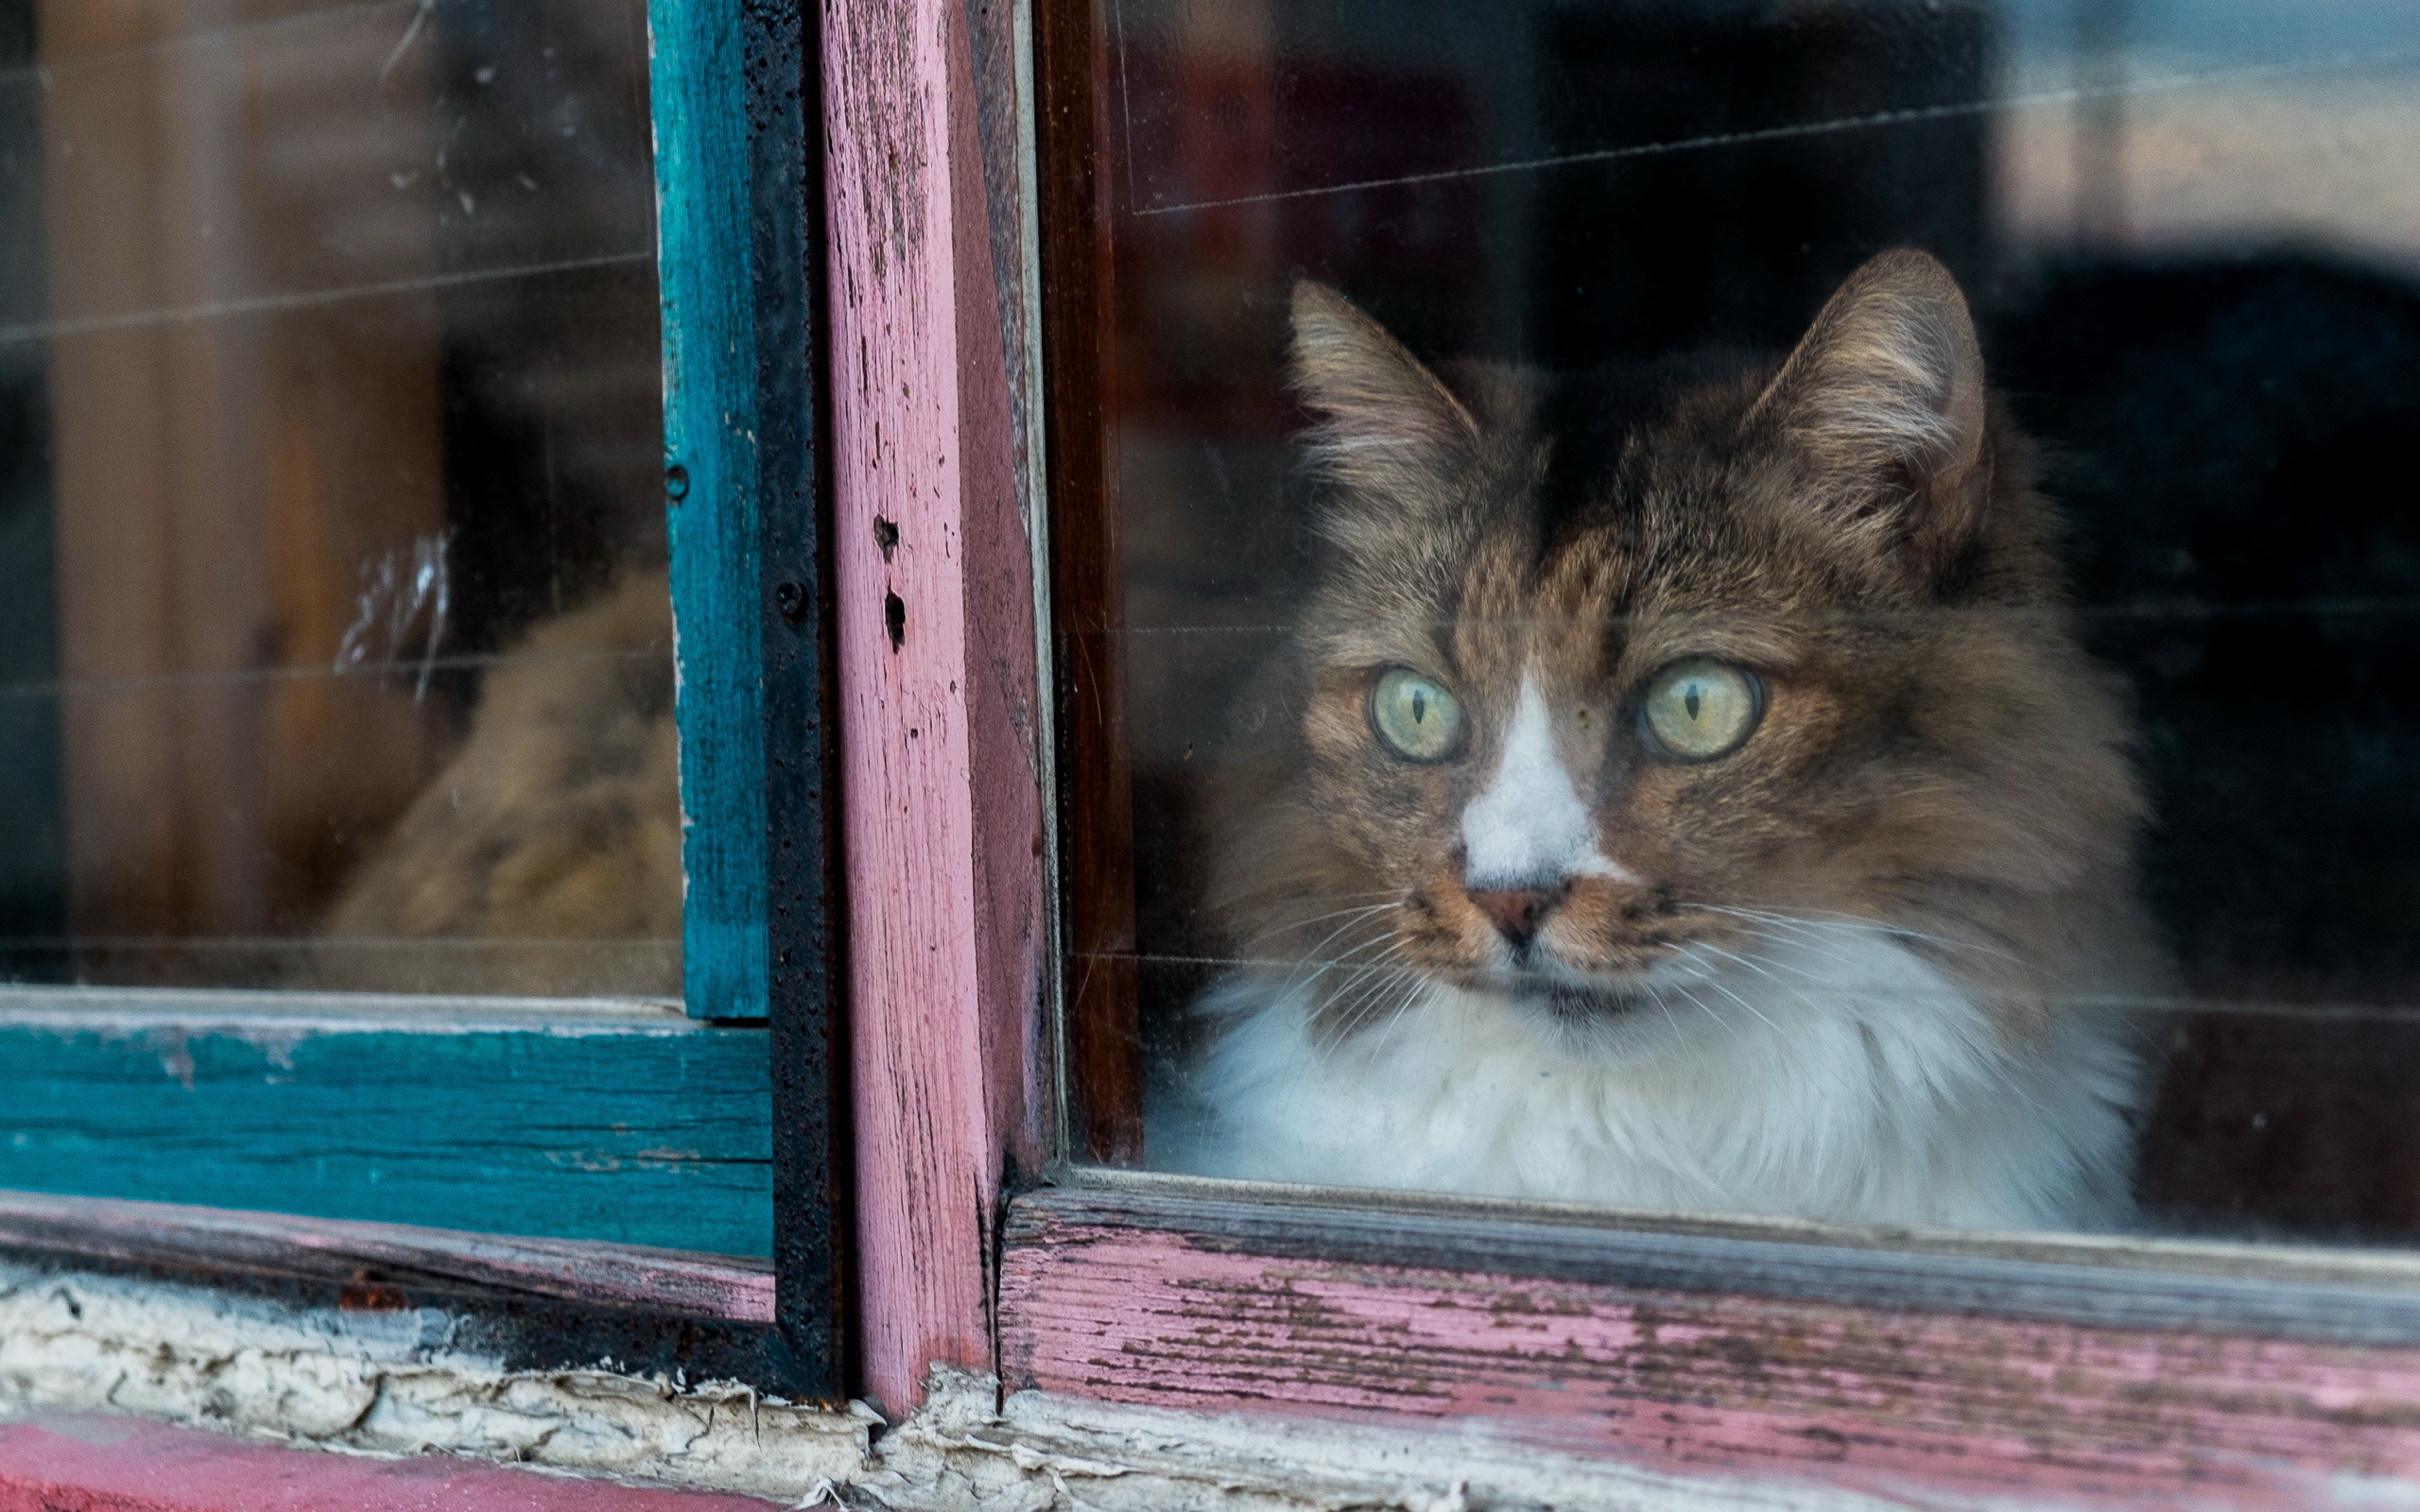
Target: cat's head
x,y
1597,674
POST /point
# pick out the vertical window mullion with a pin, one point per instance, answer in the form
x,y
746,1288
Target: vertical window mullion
x,y
705,258
805,931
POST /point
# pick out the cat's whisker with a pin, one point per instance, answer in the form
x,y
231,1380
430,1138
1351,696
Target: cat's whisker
x,y
1312,957
1663,1003
1277,930
1351,964
1759,960
1388,969
1715,983
1412,984
1804,937
1815,920
1346,960
1352,1015
1387,897
1388,939
1805,932
1700,1004
1365,979
1750,963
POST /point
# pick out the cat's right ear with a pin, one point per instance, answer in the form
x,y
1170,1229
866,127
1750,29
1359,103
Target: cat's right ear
x,y
1384,419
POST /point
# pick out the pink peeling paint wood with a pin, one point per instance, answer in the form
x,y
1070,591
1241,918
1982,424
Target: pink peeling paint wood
x,y
83,1463
934,599
1935,1408
225,1239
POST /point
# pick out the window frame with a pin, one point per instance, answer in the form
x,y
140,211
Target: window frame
x,y
1924,1366
739,235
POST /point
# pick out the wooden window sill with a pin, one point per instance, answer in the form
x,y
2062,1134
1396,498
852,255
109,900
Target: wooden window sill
x,y
1925,1374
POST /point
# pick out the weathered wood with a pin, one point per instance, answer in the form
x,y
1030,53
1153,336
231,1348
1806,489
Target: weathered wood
x,y
806,931
1937,1378
940,710
705,262
631,1125
525,1304
1087,587
384,1254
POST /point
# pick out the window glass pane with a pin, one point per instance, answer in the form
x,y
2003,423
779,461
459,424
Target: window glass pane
x,y
1531,740
335,649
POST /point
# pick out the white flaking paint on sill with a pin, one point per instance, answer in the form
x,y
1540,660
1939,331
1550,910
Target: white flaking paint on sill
x,y
396,1384
1047,1451
392,1383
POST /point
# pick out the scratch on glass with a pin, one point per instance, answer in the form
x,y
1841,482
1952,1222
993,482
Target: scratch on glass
x,y
409,593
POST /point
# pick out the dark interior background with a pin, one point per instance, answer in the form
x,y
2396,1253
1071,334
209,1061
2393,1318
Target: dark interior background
x,y
2227,381
391,266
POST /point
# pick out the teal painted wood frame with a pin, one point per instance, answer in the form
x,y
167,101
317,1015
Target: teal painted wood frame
x,y
613,1122
703,261
592,1122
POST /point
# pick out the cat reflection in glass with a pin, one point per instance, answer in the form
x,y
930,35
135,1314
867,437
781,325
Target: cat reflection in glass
x,y
1698,798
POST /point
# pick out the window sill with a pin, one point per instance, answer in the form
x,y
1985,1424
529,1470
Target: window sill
x,y
377,1264
1898,1374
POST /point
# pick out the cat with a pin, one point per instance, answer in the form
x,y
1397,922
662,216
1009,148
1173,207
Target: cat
x,y
1693,797
544,859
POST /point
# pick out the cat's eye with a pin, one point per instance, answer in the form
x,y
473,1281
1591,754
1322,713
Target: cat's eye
x,y
1414,717
1700,709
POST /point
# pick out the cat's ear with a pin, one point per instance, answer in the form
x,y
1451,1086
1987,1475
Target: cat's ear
x,y
1885,395
1379,409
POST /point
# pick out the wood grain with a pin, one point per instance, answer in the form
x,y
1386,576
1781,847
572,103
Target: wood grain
x,y
381,1254
705,262
1087,586
1658,1362
939,714
634,1128
805,901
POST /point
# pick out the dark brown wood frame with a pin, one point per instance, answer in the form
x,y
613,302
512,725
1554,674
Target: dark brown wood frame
x,y
1104,1065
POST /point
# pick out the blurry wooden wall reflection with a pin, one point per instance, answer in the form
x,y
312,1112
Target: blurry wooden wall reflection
x,y
244,385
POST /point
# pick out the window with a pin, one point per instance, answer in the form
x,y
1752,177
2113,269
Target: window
x,y
2177,237
341,378
395,565
985,509
1905,1364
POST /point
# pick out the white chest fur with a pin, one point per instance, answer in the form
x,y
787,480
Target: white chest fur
x,y
1842,1078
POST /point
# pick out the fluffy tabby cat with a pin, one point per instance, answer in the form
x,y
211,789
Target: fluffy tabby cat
x,y
546,858
1695,796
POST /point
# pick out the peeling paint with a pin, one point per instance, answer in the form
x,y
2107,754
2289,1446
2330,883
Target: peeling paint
x,y
397,1384
393,1383
1041,1451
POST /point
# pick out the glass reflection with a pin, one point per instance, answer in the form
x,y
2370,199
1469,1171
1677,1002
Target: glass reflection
x,y
330,337
1445,348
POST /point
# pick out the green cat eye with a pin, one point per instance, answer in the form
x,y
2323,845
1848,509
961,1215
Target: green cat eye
x,y
1414,717
1700,709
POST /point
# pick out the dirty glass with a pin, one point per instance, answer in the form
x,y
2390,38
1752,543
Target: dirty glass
x,y
335,644
1941,851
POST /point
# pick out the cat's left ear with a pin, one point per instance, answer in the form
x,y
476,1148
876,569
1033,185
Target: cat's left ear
x,y
1378,407
1885,394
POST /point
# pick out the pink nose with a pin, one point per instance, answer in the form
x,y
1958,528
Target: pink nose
x,y
1516,911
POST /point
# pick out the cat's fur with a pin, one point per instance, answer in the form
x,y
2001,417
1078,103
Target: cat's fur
x,y
1864,967
546,858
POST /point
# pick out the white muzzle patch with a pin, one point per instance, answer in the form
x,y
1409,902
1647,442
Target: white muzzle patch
x,y
1528,827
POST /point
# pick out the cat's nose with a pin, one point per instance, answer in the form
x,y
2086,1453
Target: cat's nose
x,y
1517,912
